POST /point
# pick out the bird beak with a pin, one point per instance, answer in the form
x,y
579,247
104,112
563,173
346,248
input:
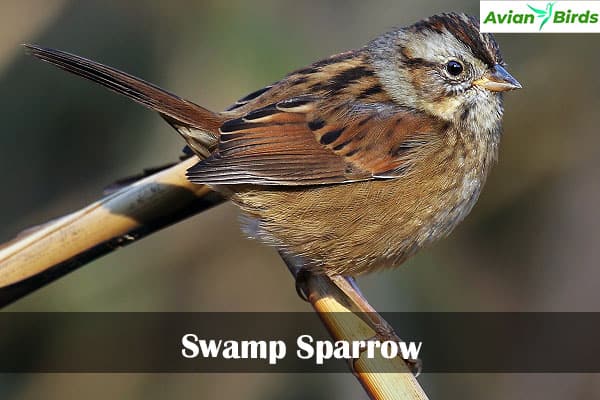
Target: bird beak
x,y
497,79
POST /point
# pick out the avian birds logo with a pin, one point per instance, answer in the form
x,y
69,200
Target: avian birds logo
x,y
545,15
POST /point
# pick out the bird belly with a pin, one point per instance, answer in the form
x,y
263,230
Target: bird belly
x,y
357,227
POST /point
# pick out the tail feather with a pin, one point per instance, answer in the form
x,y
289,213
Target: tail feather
x,y
196,124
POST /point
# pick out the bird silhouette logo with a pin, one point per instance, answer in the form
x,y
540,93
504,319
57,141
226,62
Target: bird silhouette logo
x,y
544,14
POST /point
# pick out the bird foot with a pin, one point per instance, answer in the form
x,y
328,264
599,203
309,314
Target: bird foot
x,y
302,278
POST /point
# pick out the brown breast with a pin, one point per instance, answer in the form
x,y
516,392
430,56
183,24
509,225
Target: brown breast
x,y
361,226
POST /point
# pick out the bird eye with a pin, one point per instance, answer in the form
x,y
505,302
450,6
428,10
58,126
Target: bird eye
x,y
454,68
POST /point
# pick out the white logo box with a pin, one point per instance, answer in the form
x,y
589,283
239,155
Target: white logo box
x,y
539,16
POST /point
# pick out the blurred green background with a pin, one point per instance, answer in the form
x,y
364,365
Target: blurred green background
x,y
531,244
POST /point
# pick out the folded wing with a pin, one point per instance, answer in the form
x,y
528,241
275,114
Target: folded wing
x,y
307,141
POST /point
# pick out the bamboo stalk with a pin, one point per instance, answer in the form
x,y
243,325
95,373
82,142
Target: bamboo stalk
x,y
47,252
345,319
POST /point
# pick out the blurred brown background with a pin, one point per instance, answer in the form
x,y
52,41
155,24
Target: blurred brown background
x,y
531,244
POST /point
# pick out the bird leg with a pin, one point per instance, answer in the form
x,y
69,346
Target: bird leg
x,y
297,266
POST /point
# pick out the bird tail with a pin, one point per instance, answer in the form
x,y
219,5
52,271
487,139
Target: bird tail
x,y
198,126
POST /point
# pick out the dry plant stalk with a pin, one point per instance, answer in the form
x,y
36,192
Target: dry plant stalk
x,y
344,319
47,252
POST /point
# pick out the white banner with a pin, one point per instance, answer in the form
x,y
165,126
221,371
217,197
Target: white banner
x,y
540,16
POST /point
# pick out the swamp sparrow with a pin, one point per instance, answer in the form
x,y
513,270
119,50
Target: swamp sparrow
x,y
356,161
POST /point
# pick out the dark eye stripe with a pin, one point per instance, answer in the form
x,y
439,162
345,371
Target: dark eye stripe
x,y
413,63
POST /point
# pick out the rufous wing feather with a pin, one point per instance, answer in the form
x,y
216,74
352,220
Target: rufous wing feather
x,y
308,141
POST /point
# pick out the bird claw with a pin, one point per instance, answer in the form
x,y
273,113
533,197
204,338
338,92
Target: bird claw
x,y
415,366
302,278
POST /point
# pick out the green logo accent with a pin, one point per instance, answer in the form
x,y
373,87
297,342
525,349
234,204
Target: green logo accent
x,y
544,14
